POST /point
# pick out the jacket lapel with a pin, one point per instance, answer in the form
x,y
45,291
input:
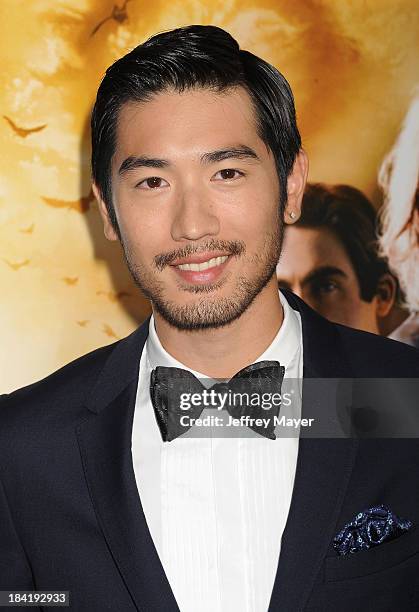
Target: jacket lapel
x,y
104,439
323,470
324,466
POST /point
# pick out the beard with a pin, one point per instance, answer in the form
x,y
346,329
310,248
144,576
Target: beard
x,y
208,312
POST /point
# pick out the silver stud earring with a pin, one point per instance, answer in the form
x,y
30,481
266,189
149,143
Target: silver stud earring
x,y
293,214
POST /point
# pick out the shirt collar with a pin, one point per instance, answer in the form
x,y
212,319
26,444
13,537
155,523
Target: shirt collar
x,y
283,347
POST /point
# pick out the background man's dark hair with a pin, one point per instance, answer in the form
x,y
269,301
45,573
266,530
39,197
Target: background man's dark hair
x,y
349,214
189,57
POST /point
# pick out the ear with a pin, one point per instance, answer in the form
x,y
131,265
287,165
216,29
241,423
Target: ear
x,y
108,228
386,295
295,187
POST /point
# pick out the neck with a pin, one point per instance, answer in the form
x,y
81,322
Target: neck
x,y
221,352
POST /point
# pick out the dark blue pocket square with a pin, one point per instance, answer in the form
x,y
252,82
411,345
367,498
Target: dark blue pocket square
x,y
370,528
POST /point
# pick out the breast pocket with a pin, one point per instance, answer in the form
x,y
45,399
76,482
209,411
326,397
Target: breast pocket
x,y
377,559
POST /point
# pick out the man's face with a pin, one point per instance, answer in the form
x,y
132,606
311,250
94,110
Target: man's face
x,y
196,196
315,266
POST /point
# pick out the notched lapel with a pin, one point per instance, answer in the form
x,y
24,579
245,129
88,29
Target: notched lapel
x,y
104,439
324,466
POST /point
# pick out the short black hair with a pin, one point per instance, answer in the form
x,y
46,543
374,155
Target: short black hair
x,y
349,214
194,56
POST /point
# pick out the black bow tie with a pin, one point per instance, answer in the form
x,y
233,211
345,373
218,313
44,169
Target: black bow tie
x,y
167,385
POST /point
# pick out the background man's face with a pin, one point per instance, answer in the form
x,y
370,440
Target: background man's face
x,y
194,184
315,266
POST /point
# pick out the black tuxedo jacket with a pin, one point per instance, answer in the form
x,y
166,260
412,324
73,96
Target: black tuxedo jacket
x,y
71,517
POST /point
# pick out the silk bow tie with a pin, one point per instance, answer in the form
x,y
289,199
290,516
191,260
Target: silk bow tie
x,y
167,385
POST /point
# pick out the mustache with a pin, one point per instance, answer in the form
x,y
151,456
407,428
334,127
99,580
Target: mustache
x,y
230,247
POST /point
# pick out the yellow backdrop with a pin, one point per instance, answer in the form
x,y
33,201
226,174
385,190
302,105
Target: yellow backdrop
x,y
65,290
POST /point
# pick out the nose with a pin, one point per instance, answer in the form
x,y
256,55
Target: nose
x,y
296,288
195,217
298,291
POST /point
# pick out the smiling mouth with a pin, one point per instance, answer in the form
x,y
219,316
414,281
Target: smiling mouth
x,y
205,265
203,272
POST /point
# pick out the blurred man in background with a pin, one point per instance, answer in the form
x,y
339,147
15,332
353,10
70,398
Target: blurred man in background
x,y
398,177
330,259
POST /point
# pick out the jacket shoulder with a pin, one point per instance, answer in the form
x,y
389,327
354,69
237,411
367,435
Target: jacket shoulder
x,y
371,355
368,355
67,386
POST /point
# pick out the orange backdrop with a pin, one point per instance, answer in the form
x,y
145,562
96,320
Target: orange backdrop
x,y
65,291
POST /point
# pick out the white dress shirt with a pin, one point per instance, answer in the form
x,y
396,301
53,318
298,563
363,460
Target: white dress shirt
x,y
216,507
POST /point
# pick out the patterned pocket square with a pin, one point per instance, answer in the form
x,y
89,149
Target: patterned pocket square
x,y
370,528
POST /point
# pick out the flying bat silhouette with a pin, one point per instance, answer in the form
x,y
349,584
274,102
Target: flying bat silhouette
x,y
82,323
82,205
27,230
107,329
112,296
70,280
23,132
119,14
17,265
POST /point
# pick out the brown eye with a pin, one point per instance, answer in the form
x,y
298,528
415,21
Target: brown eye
x,y
228,173
153,182
324,287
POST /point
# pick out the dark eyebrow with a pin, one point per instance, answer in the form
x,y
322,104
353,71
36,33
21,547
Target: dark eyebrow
x,y
142,161
240,152
322,273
